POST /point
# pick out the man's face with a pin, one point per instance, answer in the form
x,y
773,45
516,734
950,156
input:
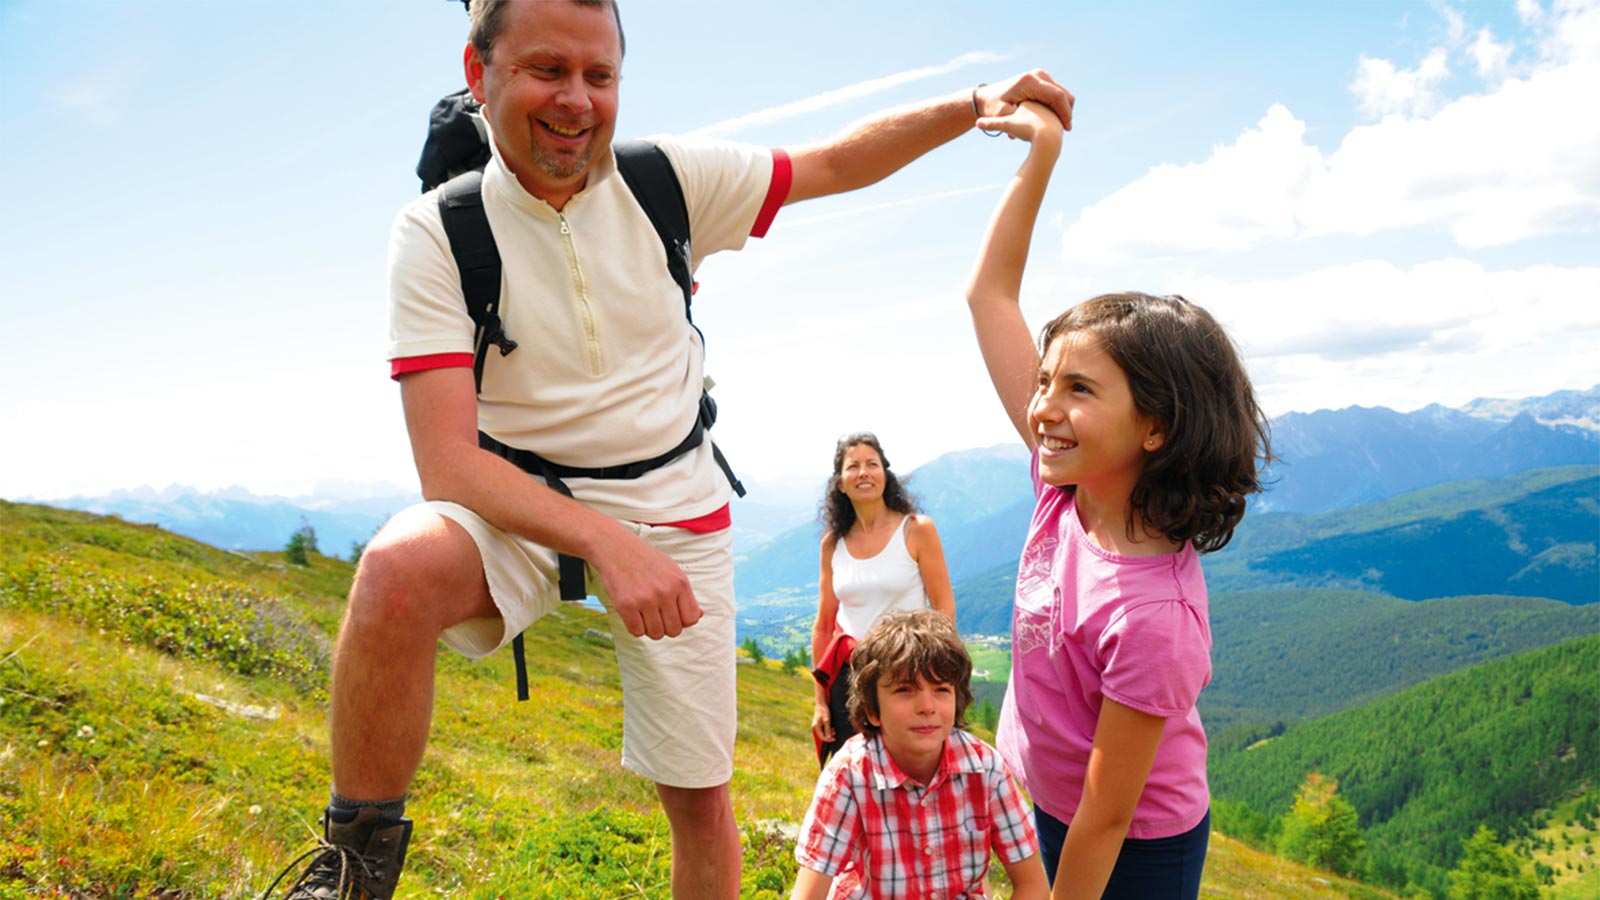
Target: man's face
x,y
550,93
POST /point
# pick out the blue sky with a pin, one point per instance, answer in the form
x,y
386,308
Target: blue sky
x,y
1387,203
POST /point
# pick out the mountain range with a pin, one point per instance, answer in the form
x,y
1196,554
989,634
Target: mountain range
x,y
1330,460
979,498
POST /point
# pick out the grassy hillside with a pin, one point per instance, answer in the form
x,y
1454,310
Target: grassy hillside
x,y
1493,744
1564,848
162,734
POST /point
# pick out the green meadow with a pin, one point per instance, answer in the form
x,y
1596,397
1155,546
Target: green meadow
x,y
162,735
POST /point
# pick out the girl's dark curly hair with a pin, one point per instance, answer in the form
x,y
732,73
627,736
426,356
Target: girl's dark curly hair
x,y
1185,374
837,515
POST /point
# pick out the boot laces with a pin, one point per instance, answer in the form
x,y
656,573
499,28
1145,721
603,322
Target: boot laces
x,y
332,866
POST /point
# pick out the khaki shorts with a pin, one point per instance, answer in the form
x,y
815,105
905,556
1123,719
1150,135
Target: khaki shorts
x,y
679,713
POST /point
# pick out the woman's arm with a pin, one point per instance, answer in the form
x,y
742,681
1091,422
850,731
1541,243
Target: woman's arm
x,y
822,631
922,542
1125,744
827,603
994,293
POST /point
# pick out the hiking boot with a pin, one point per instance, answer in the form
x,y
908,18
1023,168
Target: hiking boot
x,y
356,860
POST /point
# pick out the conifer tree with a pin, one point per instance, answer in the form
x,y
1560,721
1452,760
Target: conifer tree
x,y
1322,829
752,648
793,661
1490,871
301,543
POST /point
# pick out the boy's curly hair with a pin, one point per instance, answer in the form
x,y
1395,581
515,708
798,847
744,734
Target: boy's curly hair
x,y
906,645
1185,373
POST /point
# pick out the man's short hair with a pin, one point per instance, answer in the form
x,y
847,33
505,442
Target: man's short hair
x,y
489,15
903,646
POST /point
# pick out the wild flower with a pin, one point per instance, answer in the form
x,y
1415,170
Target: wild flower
x,y
86,732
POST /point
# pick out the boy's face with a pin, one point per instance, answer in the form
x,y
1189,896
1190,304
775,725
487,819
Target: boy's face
x,y
916,716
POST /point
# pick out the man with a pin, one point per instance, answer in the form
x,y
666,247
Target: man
x,y
609,374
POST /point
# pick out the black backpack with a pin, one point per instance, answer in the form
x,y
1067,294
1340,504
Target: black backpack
x,y
453,157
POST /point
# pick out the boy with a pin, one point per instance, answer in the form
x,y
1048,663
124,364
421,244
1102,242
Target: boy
x,y
911,807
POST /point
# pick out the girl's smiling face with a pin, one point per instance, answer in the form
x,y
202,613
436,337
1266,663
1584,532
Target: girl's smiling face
x,y
1084,421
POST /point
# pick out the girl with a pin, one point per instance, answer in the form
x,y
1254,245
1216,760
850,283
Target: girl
x,y
1146,434
878,556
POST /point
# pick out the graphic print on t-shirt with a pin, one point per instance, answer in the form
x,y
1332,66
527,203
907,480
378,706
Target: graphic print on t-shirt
x,y
1036,596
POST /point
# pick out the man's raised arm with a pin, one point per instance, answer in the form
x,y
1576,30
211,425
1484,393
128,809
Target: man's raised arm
x,y
875,148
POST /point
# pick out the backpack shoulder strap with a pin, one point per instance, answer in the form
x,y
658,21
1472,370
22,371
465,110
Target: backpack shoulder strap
x,y
648,172
472,244
654,183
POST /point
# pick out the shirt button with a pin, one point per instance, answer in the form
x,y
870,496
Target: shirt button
x,y
927,851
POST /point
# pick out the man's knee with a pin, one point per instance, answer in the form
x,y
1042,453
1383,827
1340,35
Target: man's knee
x,y
421,569
695,807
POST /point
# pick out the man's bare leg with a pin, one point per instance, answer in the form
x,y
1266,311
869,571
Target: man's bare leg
x,y
706,857
418,576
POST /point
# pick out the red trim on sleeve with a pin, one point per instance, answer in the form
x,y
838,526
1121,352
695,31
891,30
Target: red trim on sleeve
x,y
405,365
782,176
711,521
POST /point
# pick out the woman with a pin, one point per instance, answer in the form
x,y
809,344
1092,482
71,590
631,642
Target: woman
x,y
878,556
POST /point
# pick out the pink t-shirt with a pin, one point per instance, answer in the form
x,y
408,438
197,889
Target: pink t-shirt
x,y
1088,625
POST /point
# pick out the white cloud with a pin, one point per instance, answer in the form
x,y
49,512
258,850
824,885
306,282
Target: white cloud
x,y
1493,168
1382,89
1575,33
1246,193
1455,25
1372,333
842,95
1530,12
1519,161
1490,58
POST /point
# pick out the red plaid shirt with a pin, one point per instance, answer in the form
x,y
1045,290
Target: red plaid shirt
x,y
879,834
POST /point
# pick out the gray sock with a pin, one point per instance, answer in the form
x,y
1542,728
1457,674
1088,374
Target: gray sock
x,y
343,809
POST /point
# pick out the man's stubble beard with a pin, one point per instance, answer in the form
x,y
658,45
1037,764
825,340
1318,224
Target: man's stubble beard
x,y
558,166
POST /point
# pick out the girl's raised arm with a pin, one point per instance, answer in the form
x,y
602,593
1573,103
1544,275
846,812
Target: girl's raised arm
x,y
994,293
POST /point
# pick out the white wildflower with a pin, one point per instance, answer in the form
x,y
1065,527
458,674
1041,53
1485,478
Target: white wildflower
x,y
86,731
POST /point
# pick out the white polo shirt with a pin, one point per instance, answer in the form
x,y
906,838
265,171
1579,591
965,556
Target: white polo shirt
x,y
607,369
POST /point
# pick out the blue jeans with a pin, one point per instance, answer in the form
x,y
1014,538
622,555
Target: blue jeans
x,y
1158,869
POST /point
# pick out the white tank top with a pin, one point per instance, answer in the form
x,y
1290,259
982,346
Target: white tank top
x,y
869,588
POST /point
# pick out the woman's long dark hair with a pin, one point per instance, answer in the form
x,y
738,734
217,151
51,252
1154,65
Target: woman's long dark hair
x,y
837,514
1186,375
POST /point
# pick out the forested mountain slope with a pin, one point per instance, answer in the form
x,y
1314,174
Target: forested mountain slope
x,y
1488,745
